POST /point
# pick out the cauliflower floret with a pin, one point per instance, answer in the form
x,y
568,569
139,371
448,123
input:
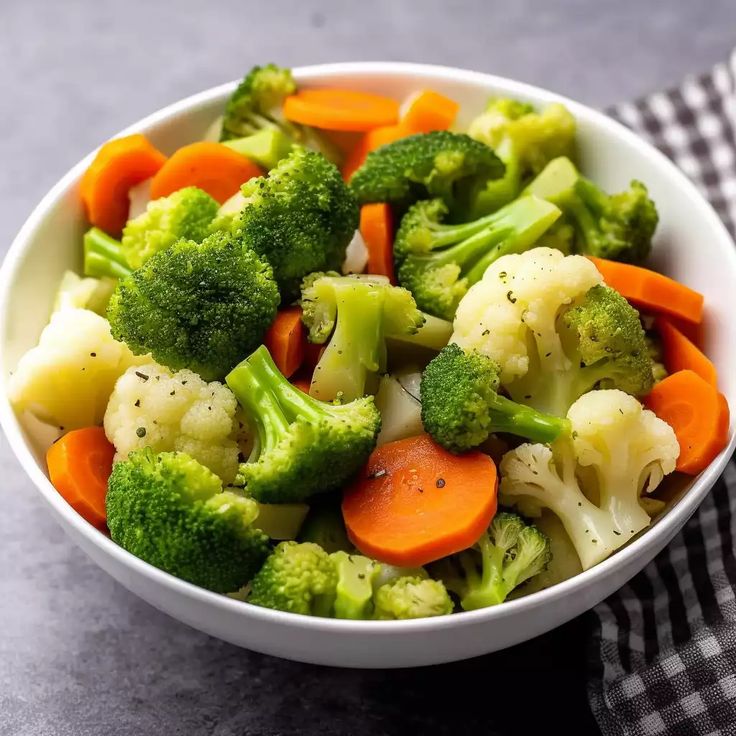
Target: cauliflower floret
x,y
153,407
617,450
68,377
516,304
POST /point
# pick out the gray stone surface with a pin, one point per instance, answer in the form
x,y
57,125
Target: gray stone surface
x,y
79,655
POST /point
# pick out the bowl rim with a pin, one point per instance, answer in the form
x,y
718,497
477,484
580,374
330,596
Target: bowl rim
x,y
667,526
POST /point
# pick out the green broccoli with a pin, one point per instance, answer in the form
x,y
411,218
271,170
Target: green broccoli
x,y
411,597
525,140
354,591
507,554
656,355
299,578
619,227
451,166
604,342
303,446
266,147
103,256
172,512
324,526
198,306
257,103
357,314
186,213
439,262
461,405
300,217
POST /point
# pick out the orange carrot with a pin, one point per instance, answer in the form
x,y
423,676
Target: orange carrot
x,y
429,111
651,291
118,166
79,465
340,109
415,502
369,142
680,353
698,414
312,354
377,229
302,381
210,166
286,340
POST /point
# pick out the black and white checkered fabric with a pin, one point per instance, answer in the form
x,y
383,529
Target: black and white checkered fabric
x,y
663,657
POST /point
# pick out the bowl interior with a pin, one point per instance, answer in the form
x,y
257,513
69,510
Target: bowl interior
x,y
691,244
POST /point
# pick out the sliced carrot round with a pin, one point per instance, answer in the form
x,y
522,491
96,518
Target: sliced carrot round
x,y
680,353
79,466
415,502
428,111
213,167
118,166
340,109
697,413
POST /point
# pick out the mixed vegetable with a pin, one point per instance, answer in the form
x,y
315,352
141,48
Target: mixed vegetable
x,y
351,361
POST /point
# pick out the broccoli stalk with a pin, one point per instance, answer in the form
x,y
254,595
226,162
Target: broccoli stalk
x,y
507,554
439,262
103,256
303,446
619,226
461,406
358,314
354,590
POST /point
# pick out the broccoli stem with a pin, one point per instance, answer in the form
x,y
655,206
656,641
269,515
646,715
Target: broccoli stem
x,y
517,419
487,589
434,334
103,256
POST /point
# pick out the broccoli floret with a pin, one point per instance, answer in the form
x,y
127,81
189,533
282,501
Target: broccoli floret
x,y
257,103
324,526
354,591
450,166
411,597
300,217
507,554
197,306
266,147
103,256
619,227
172,512
439,262
461,405
357,314
186,213
299,578
656,356
303,446
525,140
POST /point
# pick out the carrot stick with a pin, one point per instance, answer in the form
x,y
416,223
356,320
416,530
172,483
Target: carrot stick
x,y
415,502
79,465
377,229
210,166
429,111
369,142
118,166
651,291
698,414
680,353
286,340
340,109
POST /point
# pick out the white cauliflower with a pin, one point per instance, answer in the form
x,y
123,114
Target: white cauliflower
x,y
593,480
515,305
68,377
83,293
153,407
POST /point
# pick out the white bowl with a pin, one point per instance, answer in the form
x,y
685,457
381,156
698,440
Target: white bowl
x,y
692,245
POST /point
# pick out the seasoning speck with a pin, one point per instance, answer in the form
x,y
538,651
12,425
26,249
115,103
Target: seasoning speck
x,y
141,431
440,483
137,403
377,474
510,296
142,376
93,355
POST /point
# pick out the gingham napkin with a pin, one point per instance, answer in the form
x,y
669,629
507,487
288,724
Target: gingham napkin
x,y
663,657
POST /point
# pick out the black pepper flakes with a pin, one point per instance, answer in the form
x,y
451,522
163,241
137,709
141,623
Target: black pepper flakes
x,y
141,432
142,376
510,296
440,483
137,403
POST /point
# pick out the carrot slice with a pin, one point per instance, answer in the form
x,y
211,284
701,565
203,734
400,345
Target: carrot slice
x,y
651,291
415,502
698,414
680,353
79,465
369,142
377,229
340,109
286,340
210,166
118,166
429,111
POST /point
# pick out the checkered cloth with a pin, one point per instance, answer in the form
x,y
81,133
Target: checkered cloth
x,y
663,657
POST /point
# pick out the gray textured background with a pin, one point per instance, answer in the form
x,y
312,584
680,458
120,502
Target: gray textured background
x,y
79,655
